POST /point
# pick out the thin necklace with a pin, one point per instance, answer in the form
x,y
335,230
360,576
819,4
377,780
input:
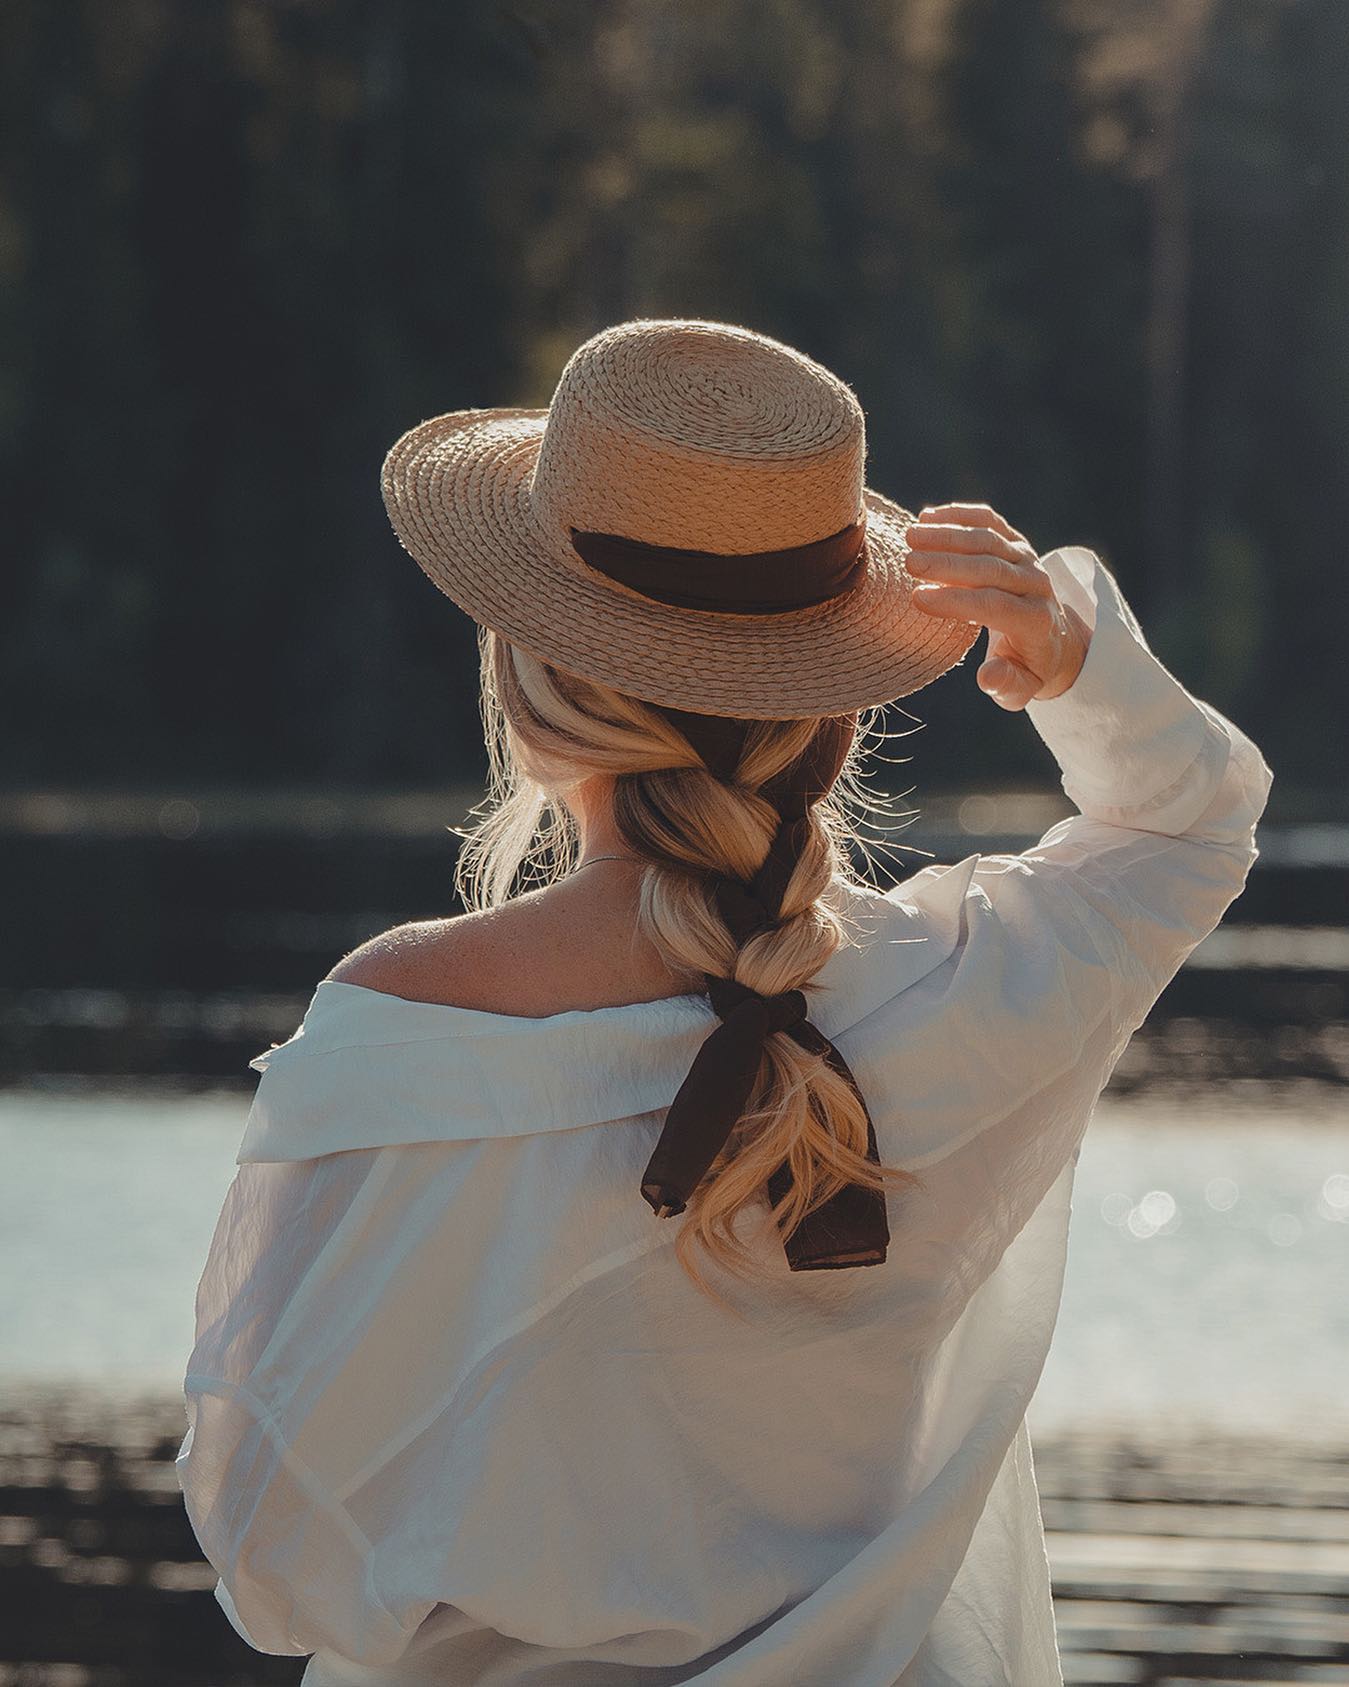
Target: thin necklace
x,y
594,858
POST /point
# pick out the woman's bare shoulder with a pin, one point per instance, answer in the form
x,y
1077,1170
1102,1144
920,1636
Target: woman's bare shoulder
x,y
447,961
533,956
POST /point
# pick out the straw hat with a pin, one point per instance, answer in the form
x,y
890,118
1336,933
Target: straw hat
x,y
687,522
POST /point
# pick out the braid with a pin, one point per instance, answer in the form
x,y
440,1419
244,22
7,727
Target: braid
x,y
762,873
741,843
773,940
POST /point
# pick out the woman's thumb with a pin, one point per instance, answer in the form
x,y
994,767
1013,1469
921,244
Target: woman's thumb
x,y
1007,683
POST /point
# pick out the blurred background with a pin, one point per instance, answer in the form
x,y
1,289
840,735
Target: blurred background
x,y
1087,260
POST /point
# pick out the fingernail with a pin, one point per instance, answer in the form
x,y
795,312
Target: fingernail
x,y
918,564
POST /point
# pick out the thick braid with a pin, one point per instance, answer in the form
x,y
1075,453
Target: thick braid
x,y
735,894
850,1228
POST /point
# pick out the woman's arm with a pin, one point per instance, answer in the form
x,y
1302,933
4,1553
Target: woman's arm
x,y
1168,790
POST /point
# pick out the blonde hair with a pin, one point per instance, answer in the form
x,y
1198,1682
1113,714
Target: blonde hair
x,y
546,732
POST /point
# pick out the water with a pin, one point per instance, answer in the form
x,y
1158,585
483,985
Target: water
x,y
1208,1272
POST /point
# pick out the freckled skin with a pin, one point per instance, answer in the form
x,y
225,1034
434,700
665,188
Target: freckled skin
x,y
570,946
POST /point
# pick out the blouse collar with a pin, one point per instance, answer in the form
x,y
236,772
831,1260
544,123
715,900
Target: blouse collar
x,y
365,1069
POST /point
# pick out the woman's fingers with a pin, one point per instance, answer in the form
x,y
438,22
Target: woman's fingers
x,y
948,537
971,565
979,568
1016,613
973,515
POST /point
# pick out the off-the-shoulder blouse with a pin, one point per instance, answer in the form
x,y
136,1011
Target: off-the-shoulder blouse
x,y
457,1415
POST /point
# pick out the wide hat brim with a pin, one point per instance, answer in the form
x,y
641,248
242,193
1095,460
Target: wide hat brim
x,y
457,490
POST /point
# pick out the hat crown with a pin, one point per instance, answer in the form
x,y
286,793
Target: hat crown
x,y
700,436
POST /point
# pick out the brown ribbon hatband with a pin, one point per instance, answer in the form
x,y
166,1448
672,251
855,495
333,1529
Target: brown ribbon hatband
x,y
850,1229
757,583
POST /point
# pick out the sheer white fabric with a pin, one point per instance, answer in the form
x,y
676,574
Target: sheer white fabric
x,y
456,1415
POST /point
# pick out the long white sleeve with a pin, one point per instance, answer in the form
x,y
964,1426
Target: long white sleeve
x,y
1169,792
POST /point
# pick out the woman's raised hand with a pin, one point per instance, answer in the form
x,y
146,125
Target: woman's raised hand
x,y
974,566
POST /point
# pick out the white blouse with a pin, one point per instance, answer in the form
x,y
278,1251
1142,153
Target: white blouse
x,y
458,1416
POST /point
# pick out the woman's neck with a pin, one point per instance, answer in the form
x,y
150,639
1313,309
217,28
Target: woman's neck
x,y
591,806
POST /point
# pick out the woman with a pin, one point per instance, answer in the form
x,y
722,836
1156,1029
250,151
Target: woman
x,y
644,1279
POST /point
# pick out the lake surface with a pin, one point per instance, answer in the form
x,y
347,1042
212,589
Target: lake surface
x,y
1208,1271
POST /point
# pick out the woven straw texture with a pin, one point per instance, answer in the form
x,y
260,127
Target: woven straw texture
x,y
692,435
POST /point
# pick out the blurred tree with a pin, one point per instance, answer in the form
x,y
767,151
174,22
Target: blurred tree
x,y
251,239
1043,341
1295,499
